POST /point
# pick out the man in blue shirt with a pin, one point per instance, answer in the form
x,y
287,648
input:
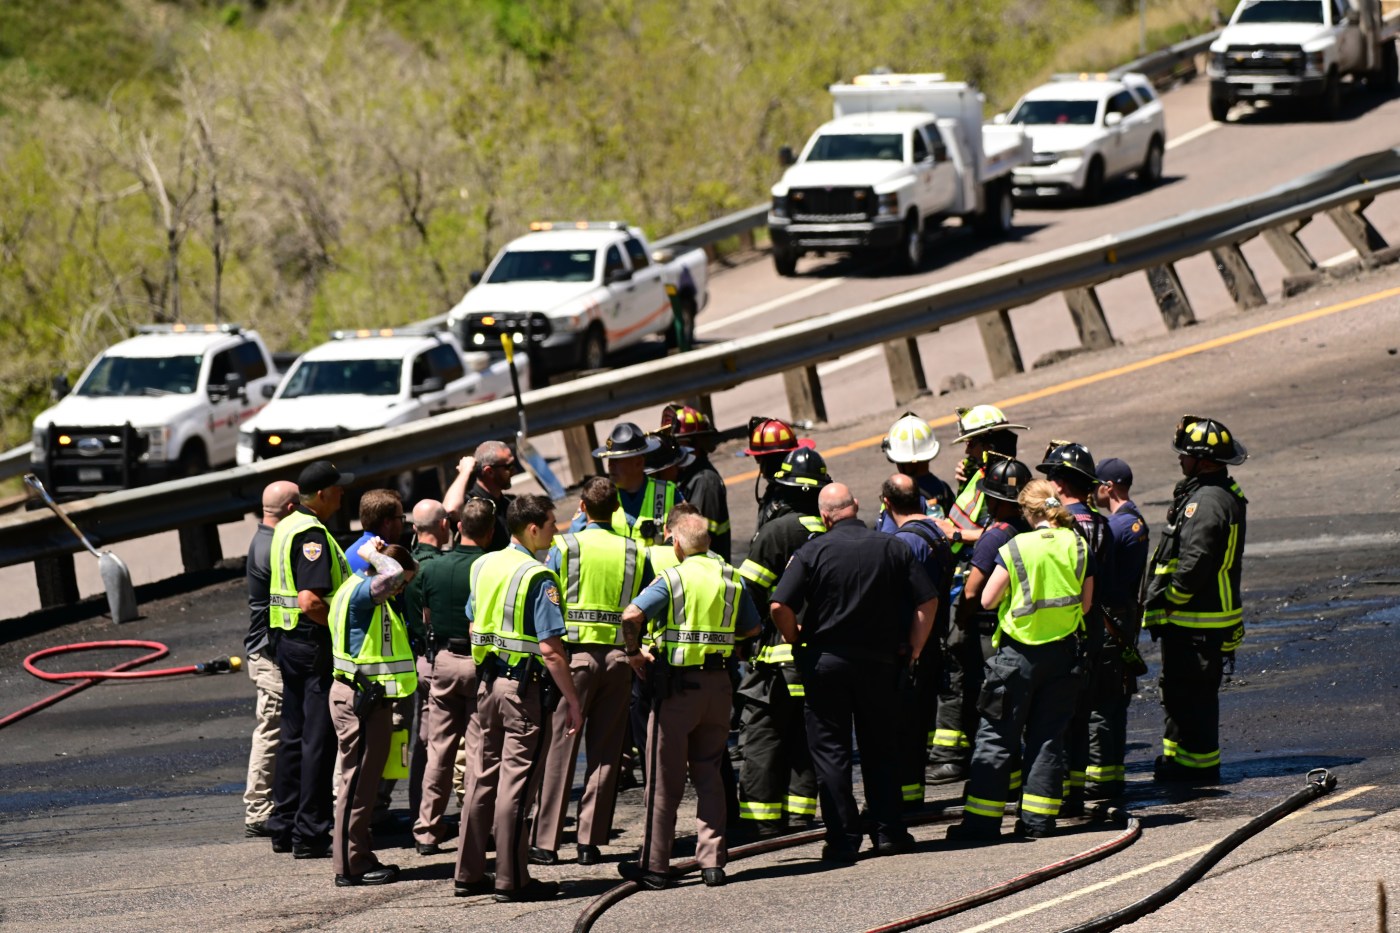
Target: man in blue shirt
x,y
381,516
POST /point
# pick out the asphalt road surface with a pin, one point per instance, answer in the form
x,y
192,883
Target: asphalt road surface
x,y
121,807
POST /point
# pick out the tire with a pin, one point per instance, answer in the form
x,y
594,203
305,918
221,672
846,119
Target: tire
x,y
1150,175
687,314
910,257
593,354
998,216
1389,75
1329,106
785,260
1220,108
193,461
1093,182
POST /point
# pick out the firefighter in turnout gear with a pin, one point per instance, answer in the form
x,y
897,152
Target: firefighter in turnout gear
x,y
1042,585
1192,597
645,501
776,782
700,482
911,446
770,441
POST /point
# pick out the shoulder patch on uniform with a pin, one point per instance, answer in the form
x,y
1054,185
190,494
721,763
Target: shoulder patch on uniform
x,y
1137,526
552,594
1190,510
311,550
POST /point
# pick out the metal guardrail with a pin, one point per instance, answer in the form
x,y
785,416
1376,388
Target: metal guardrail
x,y
227,495
15,461
1171,62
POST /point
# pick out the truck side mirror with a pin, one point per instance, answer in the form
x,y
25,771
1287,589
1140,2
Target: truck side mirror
x,y
235,386
663,255
1112,119
428,386
60,387
999,119
476,276
617,275
786,156
268,390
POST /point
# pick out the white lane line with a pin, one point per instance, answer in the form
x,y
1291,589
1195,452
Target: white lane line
x,y
767,306
1172,860
1197,133
854,359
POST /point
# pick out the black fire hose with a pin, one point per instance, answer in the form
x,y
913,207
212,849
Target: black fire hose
x,y
1319,781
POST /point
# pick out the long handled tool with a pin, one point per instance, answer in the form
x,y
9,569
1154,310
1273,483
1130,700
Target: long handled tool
x,y
116,579
528,455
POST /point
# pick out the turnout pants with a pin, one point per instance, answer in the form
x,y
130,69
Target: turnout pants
x,y
776,777
1191,673
305,763
1027,699
690,729
1104,774
511,734
603,680
844,695
257,798
364,747
955,722
451,707
916,714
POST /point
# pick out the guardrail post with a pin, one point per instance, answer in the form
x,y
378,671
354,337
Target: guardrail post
x,y
579,443
906,367
804,392
999,340
1171,297
1087,312
58,581
1238,277
200,548
1283,240
1363,237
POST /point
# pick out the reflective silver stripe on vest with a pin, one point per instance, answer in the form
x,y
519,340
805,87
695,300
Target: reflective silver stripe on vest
x,y
731,589
673,582
518,645
573,557
629,573
1030,606
284,602
509,623
346,666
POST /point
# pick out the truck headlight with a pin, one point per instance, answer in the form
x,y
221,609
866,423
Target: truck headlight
x,y
780,206
157,441
1070,155
1315,63
1215,65
889,205
39,442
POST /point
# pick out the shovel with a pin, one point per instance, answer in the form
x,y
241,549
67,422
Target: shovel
x,y
535,464
116,579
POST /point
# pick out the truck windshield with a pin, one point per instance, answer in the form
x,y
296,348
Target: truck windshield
x,y
142,375
345,377
1282,11
544,266
849,147
1053,112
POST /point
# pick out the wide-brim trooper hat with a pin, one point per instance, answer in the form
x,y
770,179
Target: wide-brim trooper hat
x,y
982,419
666,455
627,440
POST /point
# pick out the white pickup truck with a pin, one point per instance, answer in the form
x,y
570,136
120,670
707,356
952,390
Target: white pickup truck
x,y
903,153
574,292
163,405
364,380
1300,50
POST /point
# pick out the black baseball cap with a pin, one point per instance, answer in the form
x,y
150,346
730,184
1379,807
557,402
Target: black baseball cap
x,y
321,475
1113,470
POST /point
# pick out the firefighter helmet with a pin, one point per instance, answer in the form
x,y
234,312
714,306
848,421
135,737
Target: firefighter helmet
x,y
910,440
685,421
1208,439
982,419
1004,477
803,468
1067,455
773,436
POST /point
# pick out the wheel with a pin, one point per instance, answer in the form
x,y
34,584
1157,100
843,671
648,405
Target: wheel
x,y
1093,182
785,260
686,331
193,462
594,353
1329,106
997,216
1220,108
911,245
1150,175
1390,69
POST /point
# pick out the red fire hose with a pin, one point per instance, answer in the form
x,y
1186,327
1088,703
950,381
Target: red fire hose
x,y
121,671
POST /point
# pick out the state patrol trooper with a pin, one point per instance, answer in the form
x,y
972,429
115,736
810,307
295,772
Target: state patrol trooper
x,y
517,643
602,572
698,611
776,782
911,446
1193,597
770,440
308,566
645,501
1041,588
374,668
700,481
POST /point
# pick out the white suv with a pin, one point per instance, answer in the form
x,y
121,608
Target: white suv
x,y
1087,130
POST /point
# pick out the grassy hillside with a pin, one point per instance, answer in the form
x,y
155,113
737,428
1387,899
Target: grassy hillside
x,y
304,165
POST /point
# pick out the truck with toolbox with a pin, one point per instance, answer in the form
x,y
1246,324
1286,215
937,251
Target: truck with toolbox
x,y
573,292
902,154
1301,50
164,404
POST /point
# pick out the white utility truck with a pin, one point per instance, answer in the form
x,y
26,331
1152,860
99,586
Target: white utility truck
x,y
903,153
1301,50
572,292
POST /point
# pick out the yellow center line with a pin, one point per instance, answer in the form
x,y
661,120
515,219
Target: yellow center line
x,y
1072,384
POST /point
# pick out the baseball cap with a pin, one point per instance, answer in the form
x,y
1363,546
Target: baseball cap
x,y
320,475
1113,470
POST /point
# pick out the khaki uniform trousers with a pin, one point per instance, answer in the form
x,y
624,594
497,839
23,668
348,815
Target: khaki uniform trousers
x,y
451,708
603,679
691,728
511,734
364,747
257,798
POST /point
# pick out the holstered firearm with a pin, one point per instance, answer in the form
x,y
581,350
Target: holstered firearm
x,y
369,696
662,677
550,694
